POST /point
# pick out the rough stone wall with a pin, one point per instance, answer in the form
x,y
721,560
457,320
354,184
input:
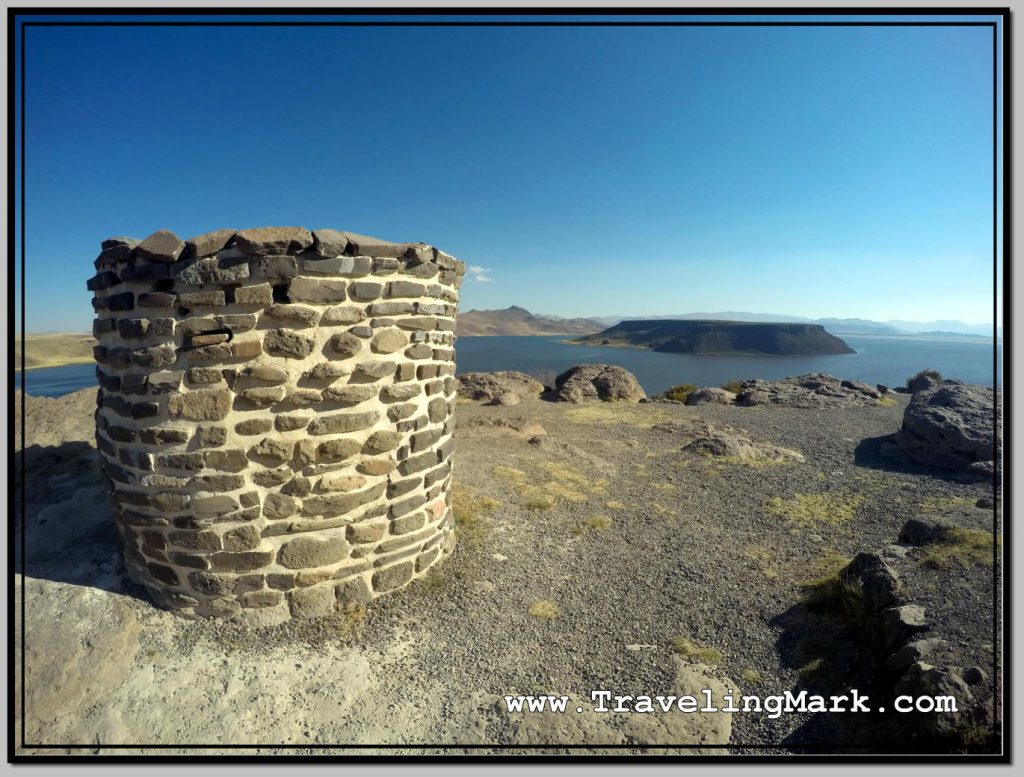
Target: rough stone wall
x,y
274,415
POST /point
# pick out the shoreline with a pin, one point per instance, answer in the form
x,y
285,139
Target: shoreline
x,y
72,362
631,346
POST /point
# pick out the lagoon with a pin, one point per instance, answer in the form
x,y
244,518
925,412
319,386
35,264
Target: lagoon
x,y
889,360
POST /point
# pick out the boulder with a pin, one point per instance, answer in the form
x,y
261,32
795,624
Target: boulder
x,y
922,679
815,390
605,382
487,386
951,425
878,581
709,395
924,529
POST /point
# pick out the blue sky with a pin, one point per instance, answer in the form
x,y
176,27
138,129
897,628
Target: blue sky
x,y
592,171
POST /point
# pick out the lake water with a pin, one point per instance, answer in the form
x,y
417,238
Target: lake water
x,y
887,360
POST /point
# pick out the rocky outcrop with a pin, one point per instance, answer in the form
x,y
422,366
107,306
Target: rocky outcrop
x,y
606,382
50,421
708,439
953,426
814,390
489,386
518,426
710,395
717,337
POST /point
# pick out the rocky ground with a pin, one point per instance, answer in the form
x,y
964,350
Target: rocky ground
x,y
594,553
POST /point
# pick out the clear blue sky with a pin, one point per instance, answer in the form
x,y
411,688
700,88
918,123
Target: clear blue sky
x,y
591,171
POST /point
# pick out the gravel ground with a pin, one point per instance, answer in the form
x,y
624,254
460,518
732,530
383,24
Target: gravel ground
x,y
634,543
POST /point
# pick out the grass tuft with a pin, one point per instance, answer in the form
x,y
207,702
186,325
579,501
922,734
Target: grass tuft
x,y
595,522
829,594
967,546
471,514
733,386
934,504
539,502
763,558
813,509
679,393
751,676
706,655
352,621
544,609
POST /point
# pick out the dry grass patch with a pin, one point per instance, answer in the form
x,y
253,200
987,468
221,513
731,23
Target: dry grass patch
x,y
594,522
539,502
934,504
614,504
627,413
758,462
544,609
706,655
815,509
886,402
827,593
751,676
508,473
966,546
471,514
763,559
352,621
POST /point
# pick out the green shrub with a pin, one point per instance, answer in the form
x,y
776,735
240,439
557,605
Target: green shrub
x,y
733,386
679,393
923,380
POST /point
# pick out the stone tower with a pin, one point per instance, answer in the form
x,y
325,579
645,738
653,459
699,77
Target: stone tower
x,y
274,416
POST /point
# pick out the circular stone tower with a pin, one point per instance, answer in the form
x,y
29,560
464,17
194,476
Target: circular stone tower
x,y
274,416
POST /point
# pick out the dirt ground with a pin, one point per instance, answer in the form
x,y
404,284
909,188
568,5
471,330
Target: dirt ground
x,y
592,554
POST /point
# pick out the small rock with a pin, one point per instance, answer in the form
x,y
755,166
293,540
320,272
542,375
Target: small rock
x,y
911,653
507,399
900,623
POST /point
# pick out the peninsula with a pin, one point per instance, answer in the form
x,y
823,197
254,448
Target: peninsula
x,y
720,337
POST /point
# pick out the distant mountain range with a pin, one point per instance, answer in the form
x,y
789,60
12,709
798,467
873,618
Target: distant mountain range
x,y
519,321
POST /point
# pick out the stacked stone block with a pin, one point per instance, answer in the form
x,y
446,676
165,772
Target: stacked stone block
x,y
274,416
